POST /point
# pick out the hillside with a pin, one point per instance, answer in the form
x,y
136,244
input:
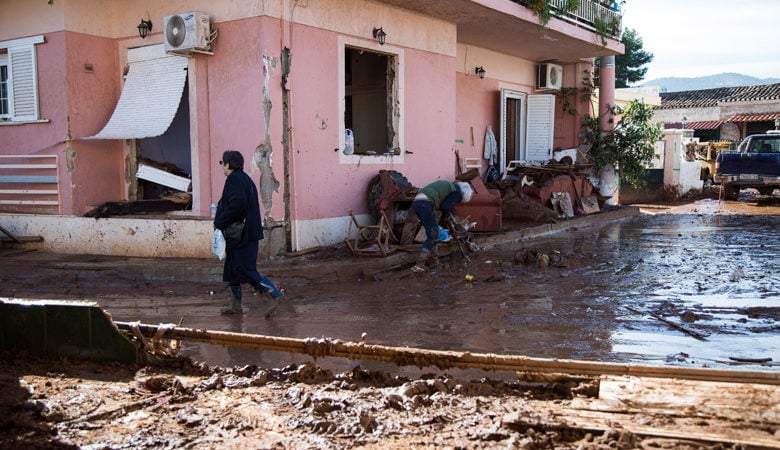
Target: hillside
x,y
676,84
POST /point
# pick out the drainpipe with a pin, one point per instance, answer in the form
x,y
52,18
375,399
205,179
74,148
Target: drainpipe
x,y
609,183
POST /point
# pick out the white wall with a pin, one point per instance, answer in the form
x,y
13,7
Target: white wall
x,y
680,174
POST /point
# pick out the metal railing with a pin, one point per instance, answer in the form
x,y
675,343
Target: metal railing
x,y
592,15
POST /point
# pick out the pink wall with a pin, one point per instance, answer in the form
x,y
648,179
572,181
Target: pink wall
x,y
478,106
72,99
235,101
430,123
323,187
98,166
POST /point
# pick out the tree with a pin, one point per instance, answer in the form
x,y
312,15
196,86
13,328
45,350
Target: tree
x,y
629,67
629,147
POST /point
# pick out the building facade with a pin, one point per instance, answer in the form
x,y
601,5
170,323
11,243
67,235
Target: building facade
x,y
289,83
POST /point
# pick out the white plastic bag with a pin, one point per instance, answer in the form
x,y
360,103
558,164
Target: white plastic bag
x,y
349,142
218,244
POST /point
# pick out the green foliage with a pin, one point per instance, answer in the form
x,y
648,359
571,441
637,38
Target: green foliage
x,y
569,96
629,67
545,11
629,147
606,26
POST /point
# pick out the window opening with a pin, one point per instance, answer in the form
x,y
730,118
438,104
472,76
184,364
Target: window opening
x,y
169,152
369,92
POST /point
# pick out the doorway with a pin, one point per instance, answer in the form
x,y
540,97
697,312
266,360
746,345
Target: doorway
x,y
512,133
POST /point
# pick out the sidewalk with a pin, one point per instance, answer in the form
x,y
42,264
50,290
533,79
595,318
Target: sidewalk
x,y
331,263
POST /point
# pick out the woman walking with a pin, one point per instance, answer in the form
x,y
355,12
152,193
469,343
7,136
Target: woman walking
x,y
240,204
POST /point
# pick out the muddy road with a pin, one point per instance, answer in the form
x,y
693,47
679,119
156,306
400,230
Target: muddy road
x,y
694,284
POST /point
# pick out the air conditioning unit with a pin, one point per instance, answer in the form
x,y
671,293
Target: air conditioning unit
x,y
186,33
550,76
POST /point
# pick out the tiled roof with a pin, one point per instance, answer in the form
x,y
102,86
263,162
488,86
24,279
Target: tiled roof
x,y
713,97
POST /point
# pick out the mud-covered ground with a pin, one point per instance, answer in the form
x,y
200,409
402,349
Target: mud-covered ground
x,y
694,290
57,404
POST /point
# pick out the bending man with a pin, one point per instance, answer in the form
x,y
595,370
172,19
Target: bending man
x,y
440,195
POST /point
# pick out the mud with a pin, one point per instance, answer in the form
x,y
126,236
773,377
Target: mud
x,y
688,285
693,284
50,404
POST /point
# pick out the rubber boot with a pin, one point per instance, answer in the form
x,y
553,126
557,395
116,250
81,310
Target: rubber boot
x,y
266,286
234,307
422,257
434,263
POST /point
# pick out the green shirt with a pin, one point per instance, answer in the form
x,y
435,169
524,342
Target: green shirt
x,y
438,191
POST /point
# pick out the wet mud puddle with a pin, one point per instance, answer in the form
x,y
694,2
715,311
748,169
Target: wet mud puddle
x,y
659,289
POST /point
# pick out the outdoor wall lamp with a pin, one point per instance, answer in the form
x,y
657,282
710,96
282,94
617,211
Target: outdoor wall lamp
x,y
144,28
380,35
480,71
684,121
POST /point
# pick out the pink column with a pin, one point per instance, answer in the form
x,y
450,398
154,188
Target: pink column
x,y
606,91
609,184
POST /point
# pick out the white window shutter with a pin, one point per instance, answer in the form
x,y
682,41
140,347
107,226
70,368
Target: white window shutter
x,y
24,83
539,135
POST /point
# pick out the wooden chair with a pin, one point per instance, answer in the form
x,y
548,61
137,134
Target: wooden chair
x,y
370,240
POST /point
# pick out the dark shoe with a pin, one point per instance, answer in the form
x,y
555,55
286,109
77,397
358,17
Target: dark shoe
x,y
233,308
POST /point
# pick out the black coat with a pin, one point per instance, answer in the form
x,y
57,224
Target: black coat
x,y
239,201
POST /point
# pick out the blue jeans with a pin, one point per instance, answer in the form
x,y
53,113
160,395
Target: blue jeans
x,y
427,215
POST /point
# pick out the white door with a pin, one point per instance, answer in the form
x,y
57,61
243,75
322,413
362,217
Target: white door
x,y
511,145
539,131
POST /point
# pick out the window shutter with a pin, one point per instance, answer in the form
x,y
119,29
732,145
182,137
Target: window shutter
x,y
539,135
24,104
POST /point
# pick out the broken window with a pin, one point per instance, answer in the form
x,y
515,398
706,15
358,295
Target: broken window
x,y
370,90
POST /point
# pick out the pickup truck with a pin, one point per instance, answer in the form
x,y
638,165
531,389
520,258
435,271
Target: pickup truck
x,y
754,164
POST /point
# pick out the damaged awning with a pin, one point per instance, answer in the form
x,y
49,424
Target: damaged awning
x,y
149,100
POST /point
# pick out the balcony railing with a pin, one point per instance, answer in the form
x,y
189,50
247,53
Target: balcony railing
x,y
593,15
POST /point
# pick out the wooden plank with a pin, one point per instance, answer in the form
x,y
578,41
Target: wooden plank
x,y
646,425
756,402
21,239
451,359
10,235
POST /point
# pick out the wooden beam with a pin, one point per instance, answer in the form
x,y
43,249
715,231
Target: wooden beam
x,y
406,356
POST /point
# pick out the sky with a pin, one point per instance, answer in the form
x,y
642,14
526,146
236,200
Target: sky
x,y
694,38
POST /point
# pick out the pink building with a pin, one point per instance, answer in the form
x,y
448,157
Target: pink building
x,y
88,106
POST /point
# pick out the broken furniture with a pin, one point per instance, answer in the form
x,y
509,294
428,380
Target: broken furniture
x,y
390,194
485,205
371,240
540,182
